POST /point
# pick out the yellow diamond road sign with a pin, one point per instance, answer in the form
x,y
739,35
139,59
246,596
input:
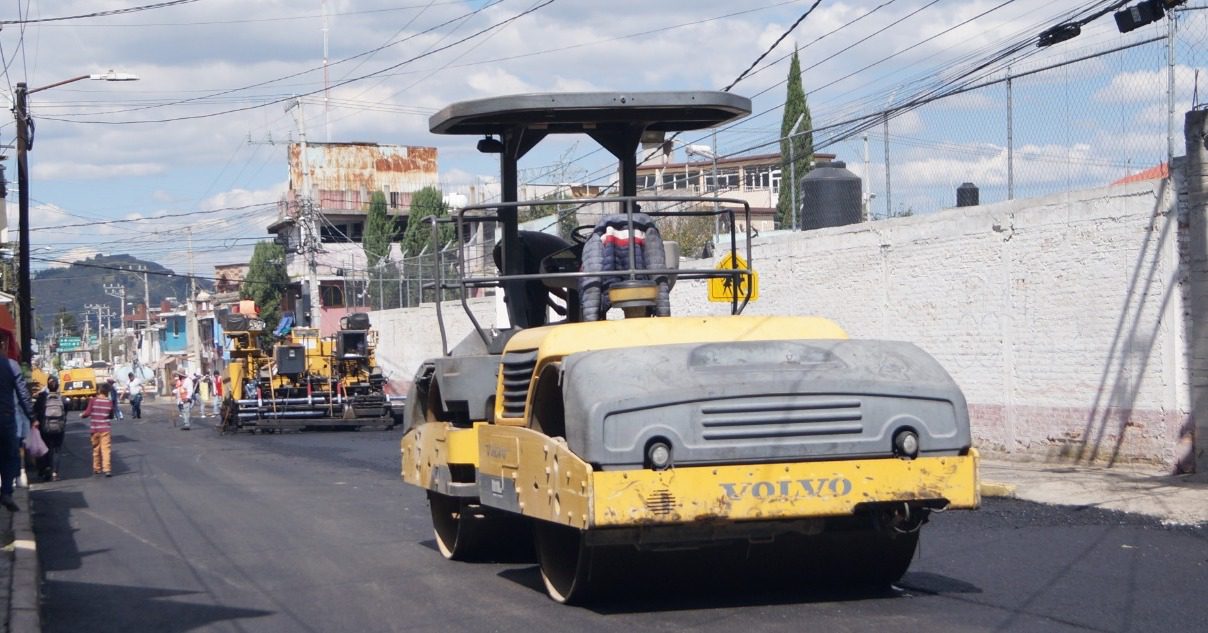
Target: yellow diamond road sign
x,y
724,288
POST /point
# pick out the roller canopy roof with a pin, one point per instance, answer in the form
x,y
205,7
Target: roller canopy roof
x,y
583,112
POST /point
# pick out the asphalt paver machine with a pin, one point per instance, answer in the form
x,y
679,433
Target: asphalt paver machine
x,y
307,381
607,438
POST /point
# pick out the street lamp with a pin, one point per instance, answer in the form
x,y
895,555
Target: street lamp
x,y
24,140
704,151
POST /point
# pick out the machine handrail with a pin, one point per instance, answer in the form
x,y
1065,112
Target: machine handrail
x,y
465,282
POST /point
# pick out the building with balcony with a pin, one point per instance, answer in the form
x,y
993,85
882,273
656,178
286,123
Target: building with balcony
x,y
755,179
342,178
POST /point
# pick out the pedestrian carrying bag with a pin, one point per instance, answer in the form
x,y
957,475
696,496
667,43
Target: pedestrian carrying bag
x,y
53,414
34,445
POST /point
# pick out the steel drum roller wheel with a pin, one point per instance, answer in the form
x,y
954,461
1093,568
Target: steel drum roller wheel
x,y
887,555
456,526
565,562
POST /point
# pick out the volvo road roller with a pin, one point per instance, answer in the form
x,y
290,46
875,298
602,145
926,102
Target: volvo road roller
x,y
307,381
608,428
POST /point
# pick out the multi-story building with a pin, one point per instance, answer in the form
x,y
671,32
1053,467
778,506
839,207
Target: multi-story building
x,y
755,179
342,178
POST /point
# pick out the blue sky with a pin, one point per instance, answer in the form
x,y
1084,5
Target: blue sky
x,y
201,133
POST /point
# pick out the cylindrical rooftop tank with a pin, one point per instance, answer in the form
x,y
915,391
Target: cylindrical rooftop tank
x,y
830,196
967,195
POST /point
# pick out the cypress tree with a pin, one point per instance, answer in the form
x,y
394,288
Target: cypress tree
x,y
418,238
803,145
376,240
425,202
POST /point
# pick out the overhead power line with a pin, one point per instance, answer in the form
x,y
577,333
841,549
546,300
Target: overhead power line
x,y
375,73
100,14
288,18
156,217
780,39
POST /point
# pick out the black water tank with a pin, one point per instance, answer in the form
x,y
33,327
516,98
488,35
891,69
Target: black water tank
x,y
830,196
966,195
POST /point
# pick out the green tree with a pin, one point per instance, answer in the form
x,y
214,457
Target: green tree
x,y
803,144
418,239
425,202
376,240
266,281
379,231
692,233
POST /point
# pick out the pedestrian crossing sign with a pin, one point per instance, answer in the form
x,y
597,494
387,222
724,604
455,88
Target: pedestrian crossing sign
x,y
722,289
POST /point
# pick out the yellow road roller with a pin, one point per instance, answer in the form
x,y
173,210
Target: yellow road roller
x,y
601,425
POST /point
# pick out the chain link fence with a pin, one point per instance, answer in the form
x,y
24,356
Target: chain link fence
x,y
1103,114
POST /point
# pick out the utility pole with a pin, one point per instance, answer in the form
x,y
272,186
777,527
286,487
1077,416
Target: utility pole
x,y
87,328
191,328
308,225
326,110
866,198
24,293
24,143
119,291
793,173
888,205
103,312
1010,139
1170,28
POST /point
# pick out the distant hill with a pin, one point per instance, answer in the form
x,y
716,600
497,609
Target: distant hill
x,y
83,283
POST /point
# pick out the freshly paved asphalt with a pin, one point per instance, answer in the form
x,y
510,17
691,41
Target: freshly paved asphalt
x,y
315,532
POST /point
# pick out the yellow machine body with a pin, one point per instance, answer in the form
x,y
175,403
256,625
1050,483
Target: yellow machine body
x,y
543,479
303,382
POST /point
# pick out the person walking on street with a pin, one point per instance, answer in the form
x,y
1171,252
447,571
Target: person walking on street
x,y
99,413
14,401
113,397
184,400
134,392
51,421
205,391
217,392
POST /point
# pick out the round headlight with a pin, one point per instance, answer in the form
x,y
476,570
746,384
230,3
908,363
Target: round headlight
x,y
906,444
658,455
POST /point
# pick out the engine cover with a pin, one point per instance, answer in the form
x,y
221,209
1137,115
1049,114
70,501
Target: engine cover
x,y
759,401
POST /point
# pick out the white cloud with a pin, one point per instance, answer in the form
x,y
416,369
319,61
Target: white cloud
x,y
85,171
1146,86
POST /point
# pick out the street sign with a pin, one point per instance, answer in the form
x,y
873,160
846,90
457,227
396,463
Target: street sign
x,y
68,343
722,289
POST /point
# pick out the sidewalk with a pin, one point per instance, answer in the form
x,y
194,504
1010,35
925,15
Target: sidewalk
x,y
20,577
1175,499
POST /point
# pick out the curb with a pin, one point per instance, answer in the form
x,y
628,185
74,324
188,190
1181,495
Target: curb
x,y
24,594
995,489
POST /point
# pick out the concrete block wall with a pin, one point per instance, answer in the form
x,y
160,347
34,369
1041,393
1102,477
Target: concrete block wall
x,y
408,336
1062,318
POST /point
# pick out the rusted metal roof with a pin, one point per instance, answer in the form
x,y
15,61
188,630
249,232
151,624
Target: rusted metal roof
x,y
363,167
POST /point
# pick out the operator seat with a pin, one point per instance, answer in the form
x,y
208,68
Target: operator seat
x,y
536,247
608,249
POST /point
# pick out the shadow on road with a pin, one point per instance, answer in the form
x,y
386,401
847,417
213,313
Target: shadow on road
x,y
105,608
684,582
52,516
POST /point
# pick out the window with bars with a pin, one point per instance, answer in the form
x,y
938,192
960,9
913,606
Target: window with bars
x,y
727,180
760,177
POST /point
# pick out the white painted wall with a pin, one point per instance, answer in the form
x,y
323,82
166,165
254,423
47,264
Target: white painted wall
x,y
409,336
1061,317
